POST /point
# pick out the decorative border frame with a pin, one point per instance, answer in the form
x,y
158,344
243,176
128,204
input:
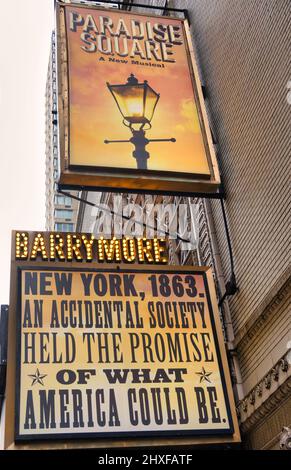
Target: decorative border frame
x,y
118,434
126,180
177,439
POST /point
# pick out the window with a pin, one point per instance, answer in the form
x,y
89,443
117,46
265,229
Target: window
x,y
63,201
63,214
60,200
64,227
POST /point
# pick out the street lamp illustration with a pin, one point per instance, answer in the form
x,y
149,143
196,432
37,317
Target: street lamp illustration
x,y
137,103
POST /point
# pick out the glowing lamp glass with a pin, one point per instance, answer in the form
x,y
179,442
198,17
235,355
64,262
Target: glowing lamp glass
x,y
136,101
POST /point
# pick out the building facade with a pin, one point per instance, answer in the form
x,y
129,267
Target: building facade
x,y
242,49
242,53
61,210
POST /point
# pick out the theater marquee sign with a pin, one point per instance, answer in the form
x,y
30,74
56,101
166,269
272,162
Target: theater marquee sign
x,y
117,351
120,124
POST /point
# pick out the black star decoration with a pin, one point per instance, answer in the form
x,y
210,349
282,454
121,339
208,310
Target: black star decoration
x,y
37,378
204,375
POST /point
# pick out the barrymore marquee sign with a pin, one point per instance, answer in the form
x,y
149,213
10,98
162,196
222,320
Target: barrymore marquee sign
x,y
107,350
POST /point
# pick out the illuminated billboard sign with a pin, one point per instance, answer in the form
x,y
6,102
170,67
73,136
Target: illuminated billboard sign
x,y
116,351
131,110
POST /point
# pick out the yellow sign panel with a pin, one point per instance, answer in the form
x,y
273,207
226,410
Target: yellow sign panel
x,y
130,103
119,352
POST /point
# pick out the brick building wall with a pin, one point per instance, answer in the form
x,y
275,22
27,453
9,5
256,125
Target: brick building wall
x,y
243,50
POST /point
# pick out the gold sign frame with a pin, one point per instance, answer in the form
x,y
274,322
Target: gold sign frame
x,y
121,179
232,436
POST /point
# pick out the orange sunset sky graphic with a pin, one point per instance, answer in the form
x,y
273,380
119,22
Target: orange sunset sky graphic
x,y
95,117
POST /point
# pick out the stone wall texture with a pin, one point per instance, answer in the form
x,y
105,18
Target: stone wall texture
x,y
243,52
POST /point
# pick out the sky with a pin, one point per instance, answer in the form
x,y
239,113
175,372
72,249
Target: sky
x,y
25,34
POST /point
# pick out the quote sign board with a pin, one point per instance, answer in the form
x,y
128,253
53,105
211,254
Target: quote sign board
x,y
112,351
118,352
130,108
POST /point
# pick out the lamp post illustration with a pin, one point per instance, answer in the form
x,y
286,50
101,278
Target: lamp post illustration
x,y
137,103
